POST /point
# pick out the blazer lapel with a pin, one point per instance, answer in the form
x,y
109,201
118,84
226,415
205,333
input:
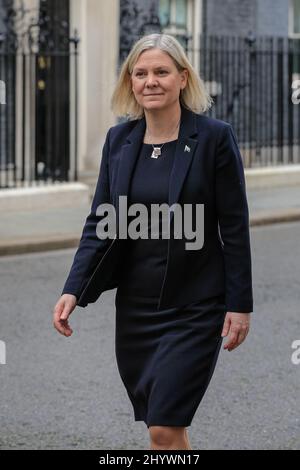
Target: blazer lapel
x,y
184,153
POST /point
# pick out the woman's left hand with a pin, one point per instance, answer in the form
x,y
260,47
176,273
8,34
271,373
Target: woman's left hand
x,y
237,325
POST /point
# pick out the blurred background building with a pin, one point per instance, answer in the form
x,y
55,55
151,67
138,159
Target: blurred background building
x,y
59,60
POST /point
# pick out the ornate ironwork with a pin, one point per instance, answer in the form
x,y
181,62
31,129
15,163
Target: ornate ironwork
x,y
38,60
135,22
33,29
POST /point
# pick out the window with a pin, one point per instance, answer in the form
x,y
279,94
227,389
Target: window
x,y
294,18
173,18
183,19
294,33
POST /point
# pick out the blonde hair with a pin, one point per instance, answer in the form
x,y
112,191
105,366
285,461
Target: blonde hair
x,y
194,96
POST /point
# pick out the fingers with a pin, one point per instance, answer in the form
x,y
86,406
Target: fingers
x,y
238,329
236,338
65,328
242,336
65,313
61,314
233,338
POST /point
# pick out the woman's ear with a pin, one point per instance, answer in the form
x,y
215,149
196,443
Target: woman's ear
x,y
184,76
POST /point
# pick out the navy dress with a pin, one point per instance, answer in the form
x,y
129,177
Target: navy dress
x,y
165,358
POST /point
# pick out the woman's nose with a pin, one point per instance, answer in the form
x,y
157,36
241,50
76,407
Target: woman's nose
x,y
151,80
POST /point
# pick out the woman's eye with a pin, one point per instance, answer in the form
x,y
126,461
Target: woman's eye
x,y
138,74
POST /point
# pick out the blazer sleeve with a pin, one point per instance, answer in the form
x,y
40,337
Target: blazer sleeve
x,y
90,245
233,217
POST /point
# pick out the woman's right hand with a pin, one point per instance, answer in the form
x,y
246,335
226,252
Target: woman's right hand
x,y
62,310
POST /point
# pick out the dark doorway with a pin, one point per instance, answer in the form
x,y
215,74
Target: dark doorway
x,y
53,91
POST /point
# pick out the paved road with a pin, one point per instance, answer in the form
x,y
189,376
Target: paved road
x,y
66,393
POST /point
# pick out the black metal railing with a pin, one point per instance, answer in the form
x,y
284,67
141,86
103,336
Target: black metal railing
x,y
38,122
250,79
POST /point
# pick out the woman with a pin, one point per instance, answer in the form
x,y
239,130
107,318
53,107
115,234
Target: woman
x,y
173,305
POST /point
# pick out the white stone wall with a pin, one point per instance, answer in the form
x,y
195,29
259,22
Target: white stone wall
x,y
98,27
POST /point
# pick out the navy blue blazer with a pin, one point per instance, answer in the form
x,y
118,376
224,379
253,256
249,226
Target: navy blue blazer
x,y
211,173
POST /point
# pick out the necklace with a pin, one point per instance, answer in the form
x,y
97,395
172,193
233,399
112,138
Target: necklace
x,y
157,150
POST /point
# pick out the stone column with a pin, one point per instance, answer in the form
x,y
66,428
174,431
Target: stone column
x,y
98,27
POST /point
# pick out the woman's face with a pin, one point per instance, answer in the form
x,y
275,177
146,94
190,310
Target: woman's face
x,y
156,82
